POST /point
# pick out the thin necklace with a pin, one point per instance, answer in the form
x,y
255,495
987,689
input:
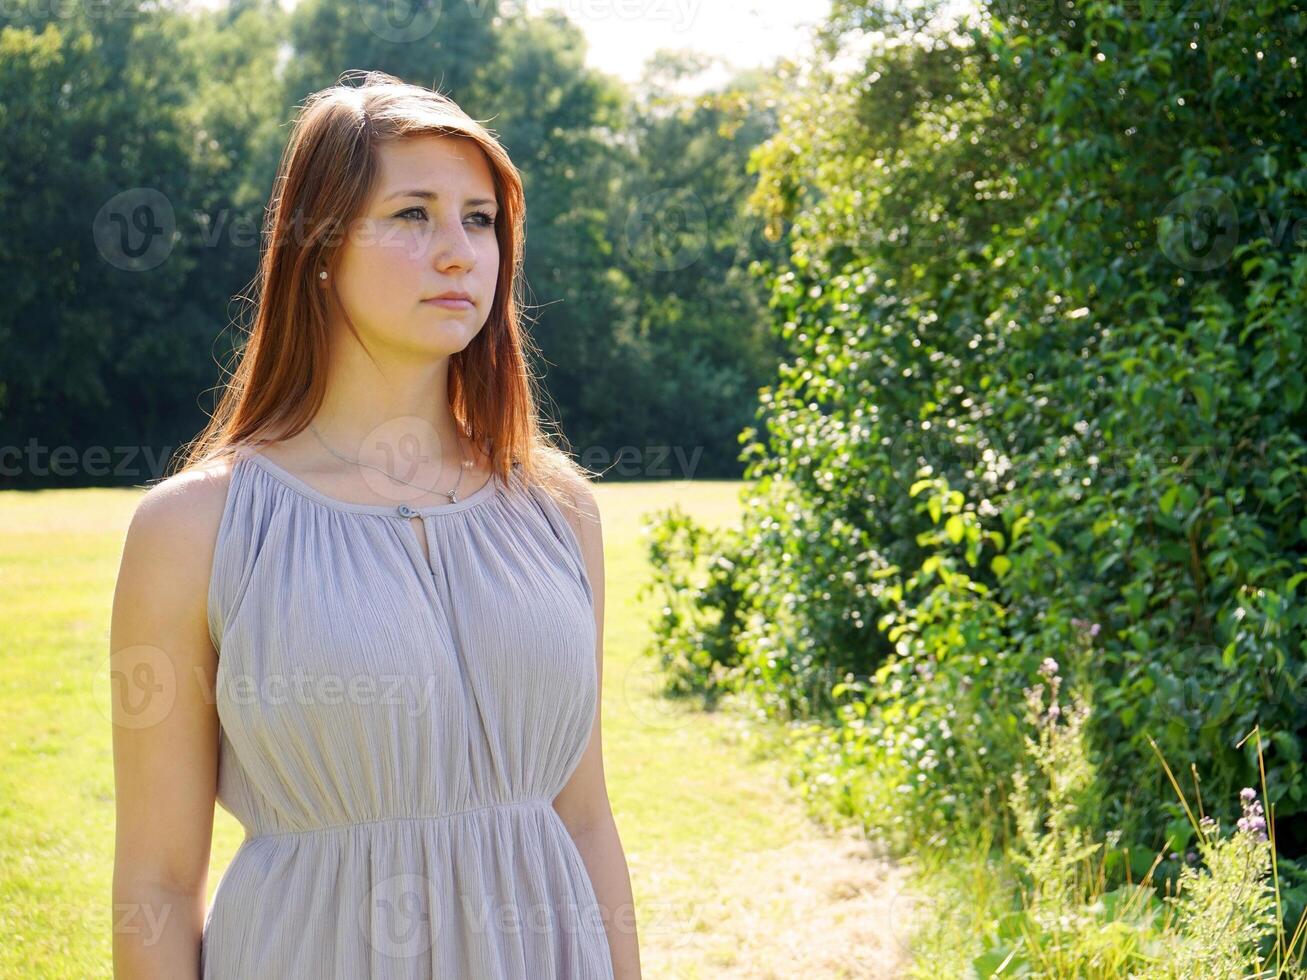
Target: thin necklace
x,y
451,494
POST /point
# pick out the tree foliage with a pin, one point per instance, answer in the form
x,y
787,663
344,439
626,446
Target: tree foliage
x,y
1044,318
139,149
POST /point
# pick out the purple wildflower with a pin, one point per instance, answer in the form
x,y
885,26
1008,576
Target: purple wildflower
x,y
1086,627
1049,667
1253,825
1253,820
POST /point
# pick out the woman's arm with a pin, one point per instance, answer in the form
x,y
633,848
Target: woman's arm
x,y
165,729
583,803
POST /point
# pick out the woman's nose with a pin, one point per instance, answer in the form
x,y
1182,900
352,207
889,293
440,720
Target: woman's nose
x,y
452,245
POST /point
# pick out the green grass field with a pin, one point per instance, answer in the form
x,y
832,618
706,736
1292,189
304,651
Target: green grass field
x,y
693,806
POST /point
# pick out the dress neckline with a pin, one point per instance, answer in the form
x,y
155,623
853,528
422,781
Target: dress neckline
x,y
398,509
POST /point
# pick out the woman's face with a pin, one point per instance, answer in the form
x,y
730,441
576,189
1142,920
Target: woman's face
x,y
405,248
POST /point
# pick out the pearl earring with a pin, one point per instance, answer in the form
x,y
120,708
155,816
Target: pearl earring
x,y
322,274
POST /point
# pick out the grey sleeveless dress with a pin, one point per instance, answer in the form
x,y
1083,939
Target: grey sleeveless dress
x,y
393,731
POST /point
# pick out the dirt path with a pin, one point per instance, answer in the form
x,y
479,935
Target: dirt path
x,y
817,907
731,877
791,900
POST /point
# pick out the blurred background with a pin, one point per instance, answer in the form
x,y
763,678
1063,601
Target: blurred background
x,y
142,141
945,366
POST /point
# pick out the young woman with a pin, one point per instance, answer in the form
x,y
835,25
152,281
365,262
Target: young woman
x,y
366,615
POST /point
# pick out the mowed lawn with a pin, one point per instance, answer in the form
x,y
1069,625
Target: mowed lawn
x,y
694,809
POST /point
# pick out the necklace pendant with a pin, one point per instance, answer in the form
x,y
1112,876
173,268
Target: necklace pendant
x,y
453,496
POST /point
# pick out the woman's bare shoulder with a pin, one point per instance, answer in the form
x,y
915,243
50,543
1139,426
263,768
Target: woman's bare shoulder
x,y
188,501
174,529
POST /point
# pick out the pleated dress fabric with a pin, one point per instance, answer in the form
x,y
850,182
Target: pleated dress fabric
x,y
393,730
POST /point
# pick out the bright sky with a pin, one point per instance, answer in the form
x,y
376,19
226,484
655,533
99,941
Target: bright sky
x,y
623,34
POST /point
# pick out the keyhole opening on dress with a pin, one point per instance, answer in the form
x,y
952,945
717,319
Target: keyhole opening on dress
x,y
419,526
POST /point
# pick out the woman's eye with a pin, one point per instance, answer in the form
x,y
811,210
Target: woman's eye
x,y
484,219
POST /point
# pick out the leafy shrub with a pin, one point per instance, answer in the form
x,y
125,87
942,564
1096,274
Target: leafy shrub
x,y
1044,333
695,624
1217,925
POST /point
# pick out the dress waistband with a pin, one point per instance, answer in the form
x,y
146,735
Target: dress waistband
x,y
533,803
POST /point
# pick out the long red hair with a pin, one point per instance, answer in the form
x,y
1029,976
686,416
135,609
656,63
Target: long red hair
x,y
327,174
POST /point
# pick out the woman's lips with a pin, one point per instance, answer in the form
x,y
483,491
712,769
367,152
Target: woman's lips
x,y
450,304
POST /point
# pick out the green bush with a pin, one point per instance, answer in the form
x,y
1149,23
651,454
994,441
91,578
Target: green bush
x,y
1044,316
